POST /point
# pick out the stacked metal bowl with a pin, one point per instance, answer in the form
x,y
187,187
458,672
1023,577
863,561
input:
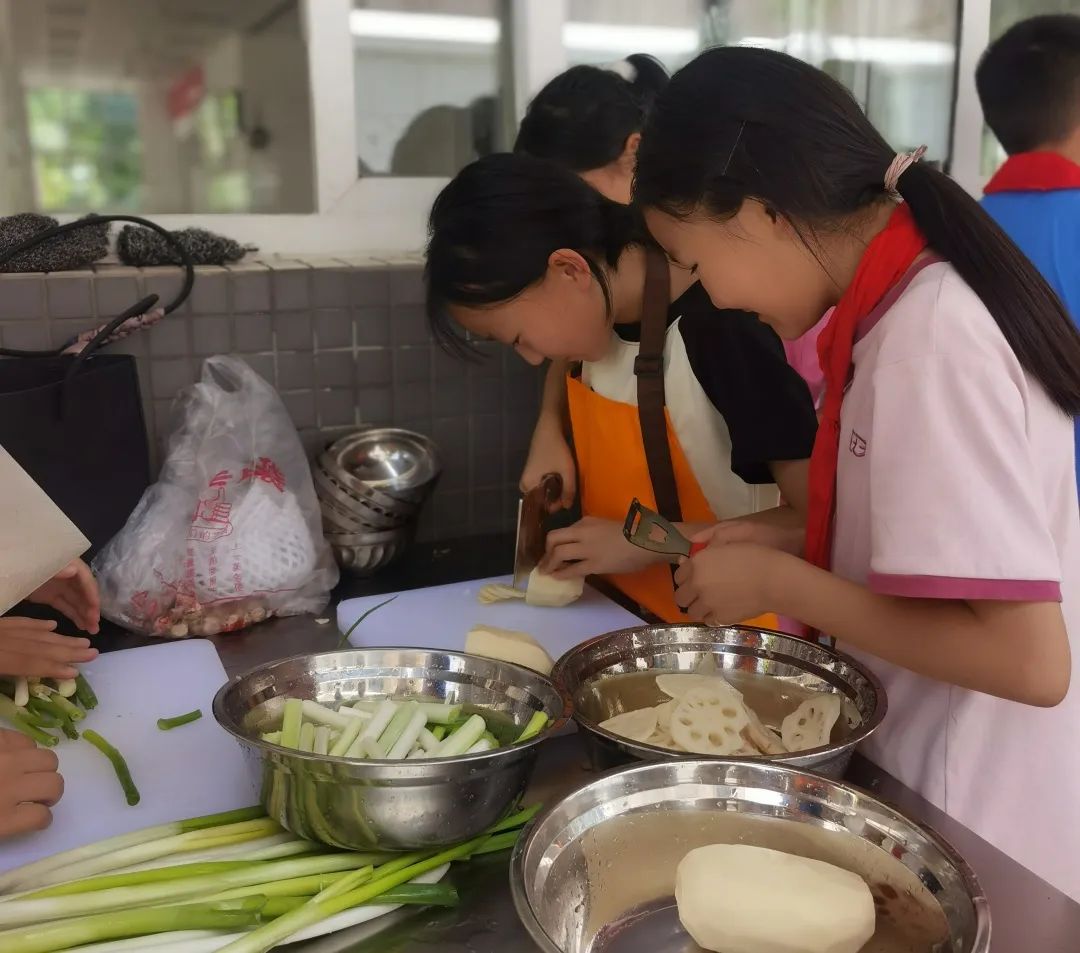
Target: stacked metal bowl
x,y
372,485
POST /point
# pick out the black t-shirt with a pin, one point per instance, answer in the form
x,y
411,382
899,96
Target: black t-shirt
x,y
741,366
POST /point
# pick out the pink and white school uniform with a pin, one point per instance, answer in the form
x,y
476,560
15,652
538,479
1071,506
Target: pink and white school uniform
x,y
956,480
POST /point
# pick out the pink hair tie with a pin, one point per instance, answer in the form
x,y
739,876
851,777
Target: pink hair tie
x,y
899,166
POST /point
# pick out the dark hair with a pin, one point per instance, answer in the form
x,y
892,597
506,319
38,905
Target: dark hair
x,y
493,228
1029,82
583,117
740,123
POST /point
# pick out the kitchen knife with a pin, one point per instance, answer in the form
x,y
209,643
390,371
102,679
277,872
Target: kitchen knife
x,y
533,508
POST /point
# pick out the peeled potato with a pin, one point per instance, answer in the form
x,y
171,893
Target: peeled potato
x,y
735,898
811,724
635,725
710,722
497,592
506,645
545,590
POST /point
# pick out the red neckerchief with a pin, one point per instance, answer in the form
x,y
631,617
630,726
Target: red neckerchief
x,y
1035,172
885,261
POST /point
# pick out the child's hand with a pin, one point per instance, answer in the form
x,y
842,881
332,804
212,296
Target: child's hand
x,y
31,648
779,528
726,582
29,784
550,453
593,546
74,592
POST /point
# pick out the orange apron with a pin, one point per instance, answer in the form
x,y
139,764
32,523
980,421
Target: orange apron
x,y
612,470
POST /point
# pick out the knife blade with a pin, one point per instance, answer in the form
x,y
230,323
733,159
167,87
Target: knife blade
x,y
532,525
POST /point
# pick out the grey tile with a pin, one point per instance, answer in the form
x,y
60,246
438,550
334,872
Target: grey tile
x,y
295,371
301,407
337,408
137,345
330,288
22,297
61,332
524,384
372,326
373,366
250,291
68,294
254,332
451,513
165,282
333,329
406,286
263,365
485,517
425,526
412,400
369,286
486,434
375,405
115,293
446,366
485,394
26,335
292,331
412,364
451,434
169,376
211,334
313,441
335,369
408,325
490,362
291,289
452,396
170,337
210,295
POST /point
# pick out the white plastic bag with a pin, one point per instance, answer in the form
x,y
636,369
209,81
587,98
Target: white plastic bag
x,y
231,533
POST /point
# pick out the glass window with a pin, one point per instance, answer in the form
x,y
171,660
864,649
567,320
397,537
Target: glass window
x,y
428,93
605,31
1004,14
155,106
898,59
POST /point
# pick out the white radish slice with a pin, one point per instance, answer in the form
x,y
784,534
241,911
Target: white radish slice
x,y
811,724
498,592
762,737
677,684
634,725
710,722
664,713
661,738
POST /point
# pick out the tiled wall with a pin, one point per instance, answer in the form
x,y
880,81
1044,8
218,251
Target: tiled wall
x,y
344,341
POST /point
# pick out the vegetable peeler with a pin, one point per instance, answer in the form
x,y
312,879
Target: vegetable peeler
x,y
649,530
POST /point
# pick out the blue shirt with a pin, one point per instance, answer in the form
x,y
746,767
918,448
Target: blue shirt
x,y
1046,226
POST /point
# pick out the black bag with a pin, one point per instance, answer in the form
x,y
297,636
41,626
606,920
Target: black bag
x,y
75,423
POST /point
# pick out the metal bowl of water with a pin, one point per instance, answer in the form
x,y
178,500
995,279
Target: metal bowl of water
x,y
617,672
596,872
391,805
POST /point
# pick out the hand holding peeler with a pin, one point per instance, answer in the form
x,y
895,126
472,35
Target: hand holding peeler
x,y
649,530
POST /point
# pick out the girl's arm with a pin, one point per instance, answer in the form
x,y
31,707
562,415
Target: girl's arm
x,y
793,478
1015,650
549,451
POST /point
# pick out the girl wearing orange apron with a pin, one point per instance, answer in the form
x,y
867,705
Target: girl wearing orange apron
x,y
525,253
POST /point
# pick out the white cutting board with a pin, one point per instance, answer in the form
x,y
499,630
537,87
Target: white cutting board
x,y
186,772
440,616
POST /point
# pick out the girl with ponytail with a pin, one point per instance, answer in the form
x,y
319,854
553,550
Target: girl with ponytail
x,y
525,253
943,540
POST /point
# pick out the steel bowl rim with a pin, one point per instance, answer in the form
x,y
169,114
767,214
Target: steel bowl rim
x,y
979,901
218,705
355,486
425,444
881,702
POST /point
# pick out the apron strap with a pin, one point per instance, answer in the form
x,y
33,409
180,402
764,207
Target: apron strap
x,y
649,370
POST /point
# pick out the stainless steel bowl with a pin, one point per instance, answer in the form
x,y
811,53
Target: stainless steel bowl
x,y
388,459
596,872
332,462
585,670
390,805
364,554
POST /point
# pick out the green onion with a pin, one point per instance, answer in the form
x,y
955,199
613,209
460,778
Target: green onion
x,y
65,687
84,693
440,714
166,724
439,732
42,715
462,739
131,793
20,721
291,722
21,693
345,636
536,724
68,728
156,875
73,712
408,737
272,737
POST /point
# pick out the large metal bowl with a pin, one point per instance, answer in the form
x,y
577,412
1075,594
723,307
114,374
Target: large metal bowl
x,y
390,805
584,670
596,872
